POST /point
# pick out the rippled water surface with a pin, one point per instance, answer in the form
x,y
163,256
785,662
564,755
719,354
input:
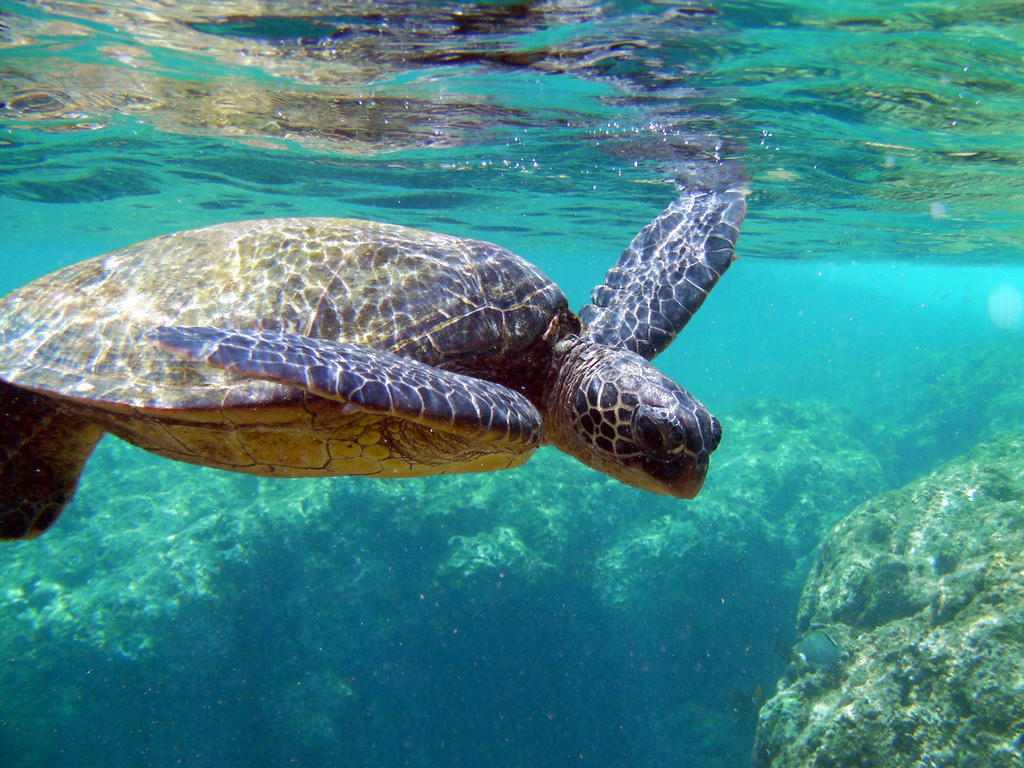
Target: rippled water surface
x,y
880,277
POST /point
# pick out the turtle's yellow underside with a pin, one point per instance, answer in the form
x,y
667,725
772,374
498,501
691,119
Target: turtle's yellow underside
x,y
308,438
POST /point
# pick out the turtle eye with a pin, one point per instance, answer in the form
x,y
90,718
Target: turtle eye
x,y
647,433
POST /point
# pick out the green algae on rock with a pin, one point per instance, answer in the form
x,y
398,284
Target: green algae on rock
x,y
924,587
118,585
498,553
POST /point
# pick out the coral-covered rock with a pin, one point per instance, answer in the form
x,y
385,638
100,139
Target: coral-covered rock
x,y
923,590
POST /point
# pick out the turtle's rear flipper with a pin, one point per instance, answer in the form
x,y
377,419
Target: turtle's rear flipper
x,y
43,450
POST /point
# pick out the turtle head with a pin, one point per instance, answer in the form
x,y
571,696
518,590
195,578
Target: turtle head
x,y
618,414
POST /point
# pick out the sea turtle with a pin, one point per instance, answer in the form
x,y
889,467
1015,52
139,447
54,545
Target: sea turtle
x,y
311,347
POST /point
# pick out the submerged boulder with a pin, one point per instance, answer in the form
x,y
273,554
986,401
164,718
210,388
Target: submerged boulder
x,y
922,590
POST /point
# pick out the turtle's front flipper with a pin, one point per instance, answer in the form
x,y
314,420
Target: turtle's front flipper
x,y
664,276
43,449
370,380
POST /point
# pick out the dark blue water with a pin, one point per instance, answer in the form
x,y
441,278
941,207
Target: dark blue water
x,y
870,330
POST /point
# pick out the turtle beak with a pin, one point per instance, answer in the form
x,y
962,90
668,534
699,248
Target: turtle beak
x,y
681,477
690,480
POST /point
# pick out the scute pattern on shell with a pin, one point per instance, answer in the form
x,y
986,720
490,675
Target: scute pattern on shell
x,y
454,303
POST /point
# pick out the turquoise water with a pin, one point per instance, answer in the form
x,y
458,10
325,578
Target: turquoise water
x,y
870,330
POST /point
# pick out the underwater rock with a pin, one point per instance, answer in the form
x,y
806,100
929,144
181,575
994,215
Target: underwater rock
x,y
328,617
140,547
922,588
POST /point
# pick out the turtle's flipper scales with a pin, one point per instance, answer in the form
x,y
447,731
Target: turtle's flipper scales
x,y
661,280
370,380
43,449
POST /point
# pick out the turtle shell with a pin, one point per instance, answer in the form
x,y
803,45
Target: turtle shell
x,y
458,304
